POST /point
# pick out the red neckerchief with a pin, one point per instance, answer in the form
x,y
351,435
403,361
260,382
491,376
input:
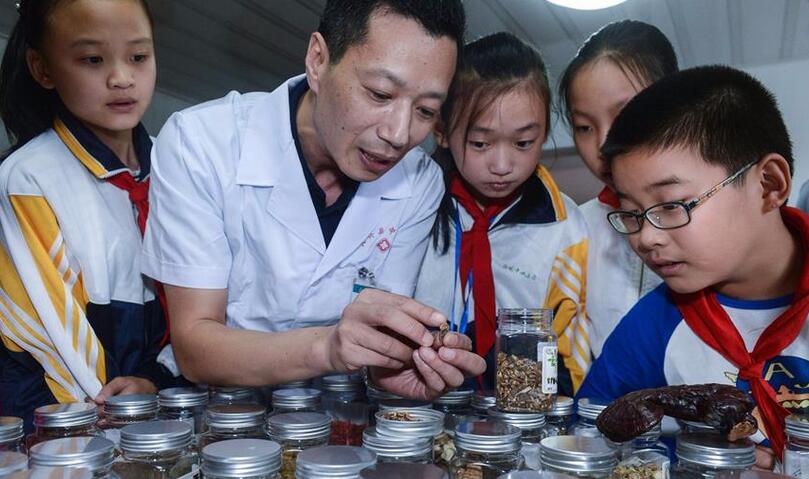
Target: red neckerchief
x,y
139,196
476,255
608,197
706,317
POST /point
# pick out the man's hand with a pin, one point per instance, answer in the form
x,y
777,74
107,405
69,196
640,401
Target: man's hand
x,y
432,372
125,385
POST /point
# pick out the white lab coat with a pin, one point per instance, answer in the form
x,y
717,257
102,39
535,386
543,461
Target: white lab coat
x,y
230,209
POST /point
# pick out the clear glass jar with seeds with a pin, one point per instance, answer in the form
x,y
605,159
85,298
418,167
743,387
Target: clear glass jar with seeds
x,y
532,425
485,450
233,421
642,465
157,450
296,400
796,452
526,358
333,462
126,409
93,453
482,401
55,421
184,404
559,418
704,455
11,462
402,470
580,456
297,432
241,459
11,434
397,449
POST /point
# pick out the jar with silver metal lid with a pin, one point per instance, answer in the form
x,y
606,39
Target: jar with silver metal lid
x,y
299,384
157,450
588,410
295,400
11,434
648,442
93,453
297,432
241,459
333,462
401,403
703,455
184,404
403,470
482,401
64,420
485,450
580,456
126,409
375,397
526,357
559,417
12,461
52,473
457,401
796,452
344,401
233,421
233,395
417,450
535,475
532,425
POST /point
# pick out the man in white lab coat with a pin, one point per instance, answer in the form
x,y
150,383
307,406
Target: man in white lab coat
x,y
270,211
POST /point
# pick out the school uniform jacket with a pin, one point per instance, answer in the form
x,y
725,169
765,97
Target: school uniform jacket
x,y
539,252
75,310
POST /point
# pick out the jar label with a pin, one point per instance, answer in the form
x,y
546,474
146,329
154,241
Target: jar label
x,y
547,354
796,464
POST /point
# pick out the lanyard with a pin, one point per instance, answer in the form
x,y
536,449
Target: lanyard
x,y
460,325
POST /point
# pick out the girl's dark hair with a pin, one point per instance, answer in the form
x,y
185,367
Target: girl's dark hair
x,y
641,50
28,109
489,68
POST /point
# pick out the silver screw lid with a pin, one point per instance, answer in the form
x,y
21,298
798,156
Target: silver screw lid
x,y
487,437
156,436
577,454
535,475
389,404
11,429
332,462
420,423
301,383
591,408
389,446
296,398
66,415
797,426
403,470
562,406
131,405
240,458
714,451
483,400
40,472
94,453
343,383
11,461
376,394
526,421
182,397
299,426
457,397
234,416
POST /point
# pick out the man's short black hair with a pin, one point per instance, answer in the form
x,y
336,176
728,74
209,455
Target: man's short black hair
x,y
724,114
344,23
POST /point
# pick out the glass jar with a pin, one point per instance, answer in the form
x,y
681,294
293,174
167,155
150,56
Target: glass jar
x,y
12,461
588,409
126,409
333,461
233,421
525,374
157,450
241,459
401,403
93,453
402,470
457,402
646,442
234,395
482,401
580,456
532,425
559,418
52,472
485,449
296,432
295,400
389,449
796,452
344,401
409,423
299,384
184,404
703,455
64,420
11,434
375,397
642,464
695,426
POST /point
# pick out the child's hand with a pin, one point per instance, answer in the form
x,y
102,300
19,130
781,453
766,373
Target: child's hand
x,y
125,385
765,459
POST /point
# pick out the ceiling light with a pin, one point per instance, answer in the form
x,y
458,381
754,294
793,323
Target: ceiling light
x,y
587,4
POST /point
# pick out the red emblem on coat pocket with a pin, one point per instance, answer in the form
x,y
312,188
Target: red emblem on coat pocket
x,y
383,245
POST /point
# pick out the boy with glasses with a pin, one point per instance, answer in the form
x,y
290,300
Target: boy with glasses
x,y
702,164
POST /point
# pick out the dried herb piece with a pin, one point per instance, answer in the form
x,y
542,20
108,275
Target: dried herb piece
x,y
720,406
442,333
518,384
345,433
637,471
399,416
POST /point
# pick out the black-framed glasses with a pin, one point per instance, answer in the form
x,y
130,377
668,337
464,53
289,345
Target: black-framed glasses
x,y
668,215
